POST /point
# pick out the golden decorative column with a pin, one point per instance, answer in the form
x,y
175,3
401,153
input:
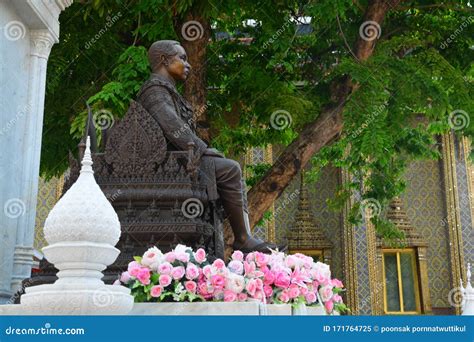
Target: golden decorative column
x,y
453,212
350,254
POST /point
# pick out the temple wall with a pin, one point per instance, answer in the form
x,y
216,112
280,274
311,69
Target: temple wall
x,y
425,206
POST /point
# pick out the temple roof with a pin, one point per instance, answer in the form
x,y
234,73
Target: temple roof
x,y
305,233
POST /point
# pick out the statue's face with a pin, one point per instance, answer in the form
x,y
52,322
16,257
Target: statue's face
x,y
178,66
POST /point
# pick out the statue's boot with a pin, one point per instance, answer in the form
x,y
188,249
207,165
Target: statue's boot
x,y
243,239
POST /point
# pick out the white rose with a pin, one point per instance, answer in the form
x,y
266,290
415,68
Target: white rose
x,y
235,283
152,258
180,249
322,269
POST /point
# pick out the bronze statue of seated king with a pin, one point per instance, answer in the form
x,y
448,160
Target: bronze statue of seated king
x,y
160,98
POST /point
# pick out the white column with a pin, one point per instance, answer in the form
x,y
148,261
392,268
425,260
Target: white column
x,y
28,30
41,42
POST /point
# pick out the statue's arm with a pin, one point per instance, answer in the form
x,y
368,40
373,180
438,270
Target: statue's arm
x,y
158,102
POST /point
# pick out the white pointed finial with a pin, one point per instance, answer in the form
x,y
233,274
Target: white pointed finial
x,y
87,159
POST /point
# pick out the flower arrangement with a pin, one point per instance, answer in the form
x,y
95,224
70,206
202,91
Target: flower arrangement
x,y
276,278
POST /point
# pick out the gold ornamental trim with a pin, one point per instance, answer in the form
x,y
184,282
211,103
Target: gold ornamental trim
x,y
453,211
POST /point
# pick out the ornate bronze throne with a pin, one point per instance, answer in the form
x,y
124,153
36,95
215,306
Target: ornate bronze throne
x,y
161,198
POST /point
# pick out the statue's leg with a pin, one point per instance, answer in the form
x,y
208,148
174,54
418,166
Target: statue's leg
x,y
231,188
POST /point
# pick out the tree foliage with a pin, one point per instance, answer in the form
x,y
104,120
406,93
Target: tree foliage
x,y
266,58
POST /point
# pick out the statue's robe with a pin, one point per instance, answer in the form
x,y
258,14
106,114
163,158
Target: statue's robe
x,y
179,126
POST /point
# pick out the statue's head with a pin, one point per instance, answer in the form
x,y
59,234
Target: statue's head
x,y
169,58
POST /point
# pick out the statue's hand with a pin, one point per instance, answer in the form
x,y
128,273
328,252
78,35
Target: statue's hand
x,y
213,153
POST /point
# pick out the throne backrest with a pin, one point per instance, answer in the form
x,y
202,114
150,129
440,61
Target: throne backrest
x,y
136,144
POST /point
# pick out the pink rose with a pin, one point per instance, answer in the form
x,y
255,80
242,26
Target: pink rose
x,y
268,290
192,271
236,267
207,271
178,272
326,293
337,283
303,291
293,291
125,277
165,280
284,297
249,268
269,278
204,290
156,291
133,268
337,298
165,268
252,287
143,276
218,264
238,255
323,280
250,257
200,256
229,296
282,280
217,281
184,257
116,282
259,295
170,257
310,297
329,305
190,286
261,259
242,297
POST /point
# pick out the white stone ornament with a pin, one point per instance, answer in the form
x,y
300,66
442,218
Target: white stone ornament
x,y
82,230
468,294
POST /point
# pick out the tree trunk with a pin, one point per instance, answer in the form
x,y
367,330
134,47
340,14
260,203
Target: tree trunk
x,y
194,32
316,134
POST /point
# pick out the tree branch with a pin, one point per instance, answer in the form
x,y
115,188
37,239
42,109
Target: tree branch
x,y
316,134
